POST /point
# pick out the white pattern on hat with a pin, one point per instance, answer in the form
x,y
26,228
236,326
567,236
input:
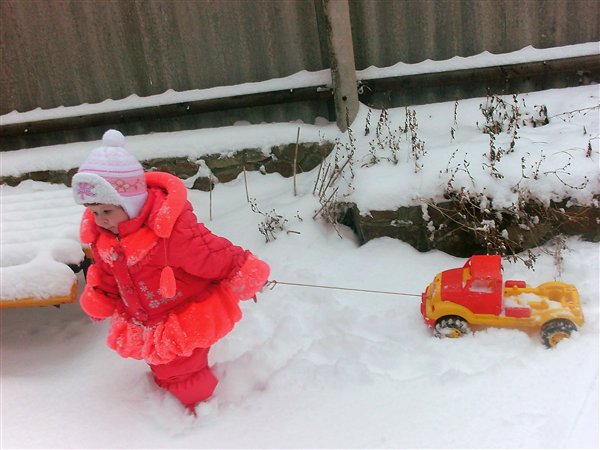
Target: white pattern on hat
x,y
111,175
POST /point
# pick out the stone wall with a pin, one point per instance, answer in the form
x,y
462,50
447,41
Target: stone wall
x,y
279,159
450,228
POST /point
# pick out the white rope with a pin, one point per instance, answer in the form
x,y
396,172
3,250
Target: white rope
x,y
272,283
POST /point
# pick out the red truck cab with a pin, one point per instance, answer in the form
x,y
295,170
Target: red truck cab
x,y
477,285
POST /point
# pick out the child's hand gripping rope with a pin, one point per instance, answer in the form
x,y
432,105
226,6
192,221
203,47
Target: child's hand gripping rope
x,y
250,279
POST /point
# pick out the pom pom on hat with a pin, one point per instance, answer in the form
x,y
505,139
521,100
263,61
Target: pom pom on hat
x,y
113,138
111,175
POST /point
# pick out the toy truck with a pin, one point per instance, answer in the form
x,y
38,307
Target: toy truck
x,y
474,295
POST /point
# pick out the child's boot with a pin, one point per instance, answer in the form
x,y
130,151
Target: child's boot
x,y
187,378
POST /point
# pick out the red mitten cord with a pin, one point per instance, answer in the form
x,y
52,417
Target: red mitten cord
x,y
250,279
93,301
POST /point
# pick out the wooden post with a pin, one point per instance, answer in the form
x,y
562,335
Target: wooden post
x,y
296,160
343,69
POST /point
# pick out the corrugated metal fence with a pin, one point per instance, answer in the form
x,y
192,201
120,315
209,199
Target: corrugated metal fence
x,y
70,52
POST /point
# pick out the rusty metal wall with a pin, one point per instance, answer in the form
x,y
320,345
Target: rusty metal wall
x,y
70,52
386,32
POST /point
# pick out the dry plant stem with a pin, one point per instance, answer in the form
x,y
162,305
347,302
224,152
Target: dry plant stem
x,y
318,177
325,175
210,200
336,175
325,203
246,184
568,113
272,223
296,160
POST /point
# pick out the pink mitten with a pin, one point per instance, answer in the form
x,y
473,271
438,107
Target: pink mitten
x,y
95,304
93,301
250,279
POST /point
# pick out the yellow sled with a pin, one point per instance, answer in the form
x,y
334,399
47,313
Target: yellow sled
x,y
31,301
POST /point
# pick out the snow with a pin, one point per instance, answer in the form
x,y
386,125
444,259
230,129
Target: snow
x,y
314,367
42,277
522,299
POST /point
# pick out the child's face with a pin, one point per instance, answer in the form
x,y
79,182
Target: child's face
x,y
109,216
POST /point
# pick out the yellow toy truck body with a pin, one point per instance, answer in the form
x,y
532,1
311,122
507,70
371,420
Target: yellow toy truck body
x,y
475,295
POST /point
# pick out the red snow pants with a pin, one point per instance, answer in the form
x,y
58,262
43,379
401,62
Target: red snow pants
x,y
188,378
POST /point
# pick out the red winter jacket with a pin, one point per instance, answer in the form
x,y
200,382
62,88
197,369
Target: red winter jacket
x,y
124,280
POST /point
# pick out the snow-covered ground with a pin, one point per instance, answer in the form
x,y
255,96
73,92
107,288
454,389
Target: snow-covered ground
x,y
308,367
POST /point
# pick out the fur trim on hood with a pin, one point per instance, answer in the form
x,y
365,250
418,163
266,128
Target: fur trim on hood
x,y
165,217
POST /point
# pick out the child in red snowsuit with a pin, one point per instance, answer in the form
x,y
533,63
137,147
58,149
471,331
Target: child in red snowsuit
x,y
170,286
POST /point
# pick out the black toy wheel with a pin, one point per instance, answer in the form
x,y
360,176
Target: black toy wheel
x,y
451,327
556,330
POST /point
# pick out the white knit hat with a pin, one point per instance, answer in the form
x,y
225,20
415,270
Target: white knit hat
x,y
110,175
